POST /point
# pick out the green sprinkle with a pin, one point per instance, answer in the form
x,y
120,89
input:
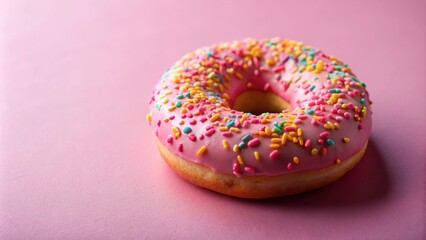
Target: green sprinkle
x,y
187,130
209,53
363,84
363,100
271,43
157,106
180,96
230,123
246,137
281,124
312,87
241,144
310,111
187,94
280,115
330,142
278,130
334,91
316,78
178,103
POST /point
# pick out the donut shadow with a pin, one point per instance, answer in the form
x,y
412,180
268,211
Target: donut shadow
x,y
367,183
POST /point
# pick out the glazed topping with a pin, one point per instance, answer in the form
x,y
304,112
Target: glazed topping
x,y
192,114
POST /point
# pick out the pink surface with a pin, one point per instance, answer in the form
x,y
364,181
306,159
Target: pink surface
x,y
77,159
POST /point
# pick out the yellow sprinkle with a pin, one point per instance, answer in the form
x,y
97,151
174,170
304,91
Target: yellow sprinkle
x,y
284,138
240,159
149,117
176,132
300,141
338,161
222,129
202,150
296,160
181,122
225,144
215,117
262,134
299,132
230,70
295,140
264,120
256,155
345,139
274,146
239,75
235,130
211,75
243,118
236,148
275,140
171,108
166,119
274,135
267,130
314,151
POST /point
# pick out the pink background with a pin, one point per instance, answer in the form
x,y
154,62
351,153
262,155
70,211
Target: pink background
x,y
77,159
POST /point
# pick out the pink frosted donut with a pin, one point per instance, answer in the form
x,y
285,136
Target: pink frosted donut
x,y
260,118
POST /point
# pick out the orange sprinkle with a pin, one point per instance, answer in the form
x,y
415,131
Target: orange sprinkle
x,y
202,150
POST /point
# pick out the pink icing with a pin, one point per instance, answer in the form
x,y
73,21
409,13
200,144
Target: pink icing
x,y
191,108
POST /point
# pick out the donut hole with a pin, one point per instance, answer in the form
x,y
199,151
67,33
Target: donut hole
x,y
257,102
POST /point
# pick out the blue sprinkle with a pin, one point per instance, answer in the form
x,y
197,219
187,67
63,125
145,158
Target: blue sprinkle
x,y
330,142
310,111
187,130
230,123
246,137
209,53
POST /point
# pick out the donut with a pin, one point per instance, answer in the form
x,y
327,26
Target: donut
x,y
260,118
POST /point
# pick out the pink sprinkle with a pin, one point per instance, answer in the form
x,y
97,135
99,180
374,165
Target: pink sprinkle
x,y
330,116
256,72
180,147
192,137
227,134
169,139
334,110
314,122
340,111
273,154
320,141
209,132
209,127
302,117
203,119
159,123
360,127
324,134
350,105
201,137
308,143
338,118
237,124
236,168
254,142
322,119
290,166
190,106
289,128
297,121
171,117
156,131
324,151
246,124
193,122
249,169
266,87
347,115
